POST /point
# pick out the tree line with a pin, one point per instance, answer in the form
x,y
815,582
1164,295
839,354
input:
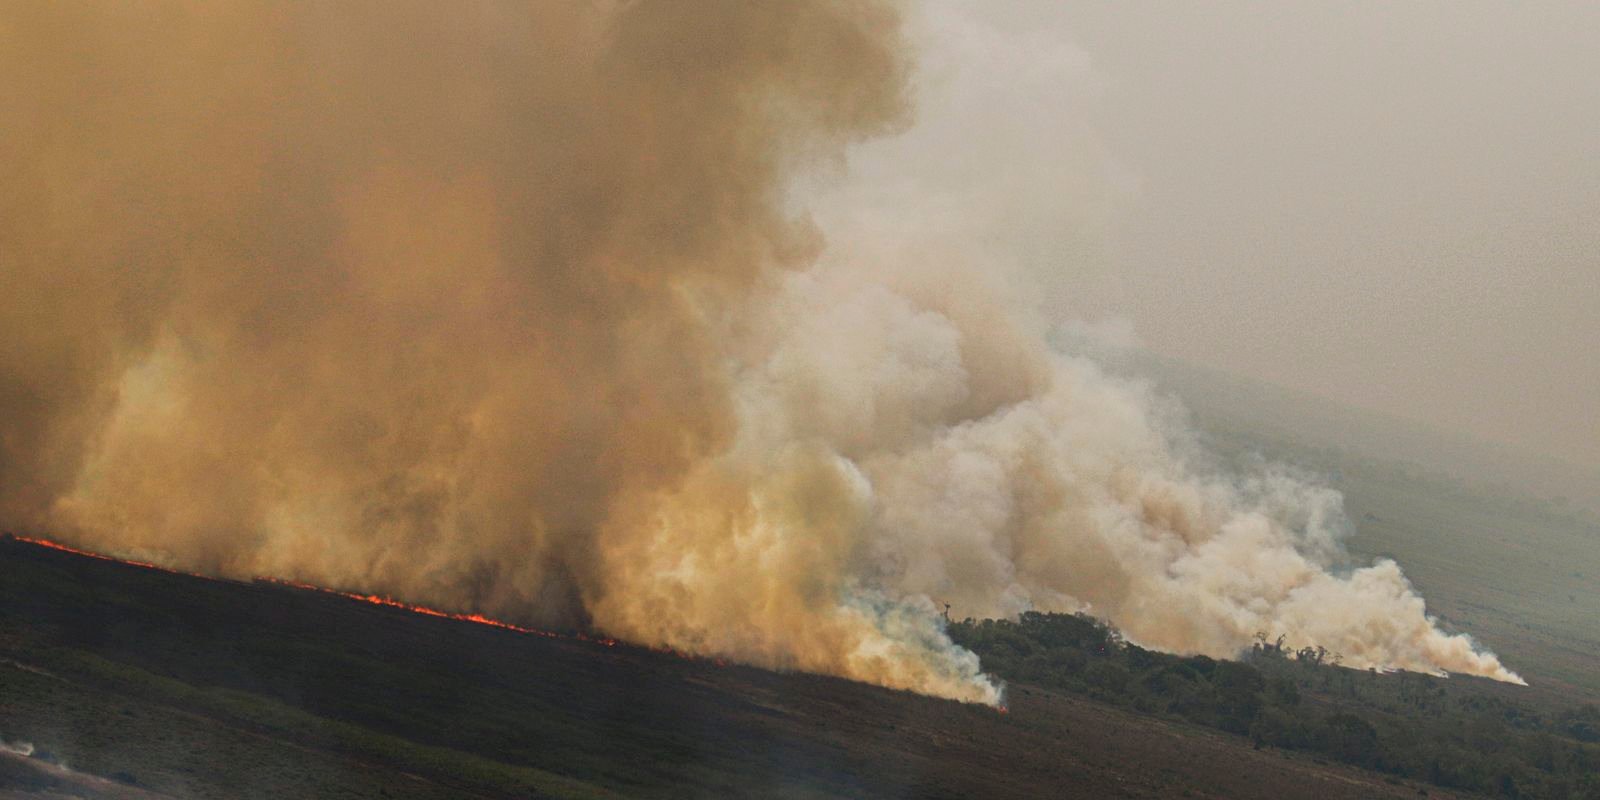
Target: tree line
x,y
1450,733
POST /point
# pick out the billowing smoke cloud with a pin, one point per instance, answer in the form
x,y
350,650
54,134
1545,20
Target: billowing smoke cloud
x,y
508,308
892,452
396,294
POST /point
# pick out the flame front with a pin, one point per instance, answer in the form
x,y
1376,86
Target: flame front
x,y
379,600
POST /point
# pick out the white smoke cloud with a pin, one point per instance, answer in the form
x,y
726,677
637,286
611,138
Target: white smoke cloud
x,y
991,471
867,484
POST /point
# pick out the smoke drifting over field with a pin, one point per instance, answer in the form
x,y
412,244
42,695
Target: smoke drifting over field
x,y
506,308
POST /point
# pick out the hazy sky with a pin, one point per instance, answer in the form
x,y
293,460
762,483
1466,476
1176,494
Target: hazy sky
x,y
1395,206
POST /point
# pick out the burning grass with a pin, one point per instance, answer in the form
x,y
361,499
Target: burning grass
x,y
374,599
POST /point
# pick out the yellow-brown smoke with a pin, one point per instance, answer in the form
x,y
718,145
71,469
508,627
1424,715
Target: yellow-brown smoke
x,y
399,294
505,307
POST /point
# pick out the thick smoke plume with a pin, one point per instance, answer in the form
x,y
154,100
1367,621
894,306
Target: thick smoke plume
x,y
396,294
506,307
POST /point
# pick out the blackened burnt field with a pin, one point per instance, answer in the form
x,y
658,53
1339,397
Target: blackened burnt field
x,y
143,683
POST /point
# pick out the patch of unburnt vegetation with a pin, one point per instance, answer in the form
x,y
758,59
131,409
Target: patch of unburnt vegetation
x,y
1454,733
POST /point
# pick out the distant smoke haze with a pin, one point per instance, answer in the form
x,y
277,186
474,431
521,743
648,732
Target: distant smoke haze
x,y
521,309
1389,205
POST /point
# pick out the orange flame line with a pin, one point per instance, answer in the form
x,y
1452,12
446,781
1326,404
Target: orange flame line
x,y
479,619
380,600
75,551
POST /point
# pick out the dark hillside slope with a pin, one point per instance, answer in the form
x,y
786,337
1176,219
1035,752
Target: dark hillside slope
x,y
149,684
1462,733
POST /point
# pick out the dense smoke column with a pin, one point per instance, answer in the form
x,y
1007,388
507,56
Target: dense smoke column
x,y
395,295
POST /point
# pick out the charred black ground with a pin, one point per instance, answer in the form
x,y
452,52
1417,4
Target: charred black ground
x,y
146,683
